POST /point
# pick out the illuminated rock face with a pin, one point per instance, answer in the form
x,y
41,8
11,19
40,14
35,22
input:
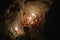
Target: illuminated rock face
x,y
32,10
35,9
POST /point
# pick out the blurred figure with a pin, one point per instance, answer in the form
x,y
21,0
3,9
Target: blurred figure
x,y
27,33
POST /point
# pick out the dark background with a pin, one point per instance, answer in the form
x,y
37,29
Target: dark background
x,y
50,32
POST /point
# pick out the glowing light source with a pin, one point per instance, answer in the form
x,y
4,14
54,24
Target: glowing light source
x,y
16,29
33,15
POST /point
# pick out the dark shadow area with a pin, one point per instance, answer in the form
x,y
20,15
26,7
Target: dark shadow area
x,y
50,32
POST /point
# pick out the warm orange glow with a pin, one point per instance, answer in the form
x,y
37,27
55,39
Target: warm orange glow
x,y
25,19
